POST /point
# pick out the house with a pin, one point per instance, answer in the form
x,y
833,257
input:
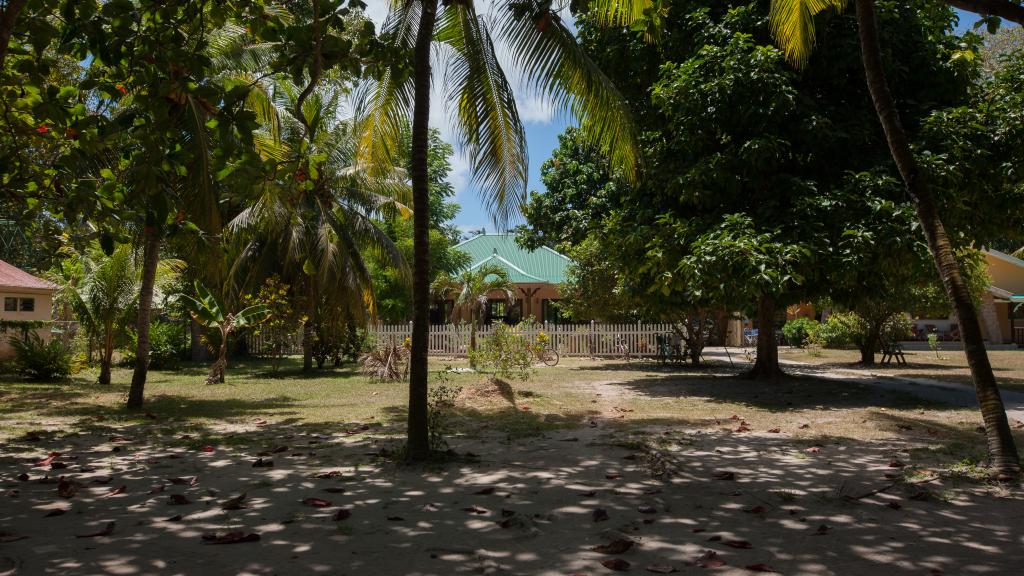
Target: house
x,y
27,305
999,323
536,274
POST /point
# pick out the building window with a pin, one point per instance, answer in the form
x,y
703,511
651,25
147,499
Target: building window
x,y
550,312
496,309
10,304
28,304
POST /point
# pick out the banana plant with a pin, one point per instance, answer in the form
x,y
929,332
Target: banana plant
x,y
210,312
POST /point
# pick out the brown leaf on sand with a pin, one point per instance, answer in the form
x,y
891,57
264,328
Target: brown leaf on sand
x,y
55,512
66,489
279,450
261,463
231,538
236,503
600,515
335,490
724,475
761,568
175,518
612,475
47,461
813,450
660,568
614,547
331,474
23,477
476,510
105,480
895,463
738,544
709,559
6,537
646,509
485,491
184,480
119,490
756,509
894,505
157,488
774,430
316,502
743,427
822,530
617,564
342,514
107,531
178,500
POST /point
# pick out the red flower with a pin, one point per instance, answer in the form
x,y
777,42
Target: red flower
x,y
43,129
121,89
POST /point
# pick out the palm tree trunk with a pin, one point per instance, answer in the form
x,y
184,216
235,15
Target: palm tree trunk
x,y
150,258
308,329
418,444
472,339
1001,447
767,364
108,354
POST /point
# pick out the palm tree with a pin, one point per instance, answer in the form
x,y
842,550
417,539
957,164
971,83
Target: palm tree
x,y
314,230
471,289
487,121
793,27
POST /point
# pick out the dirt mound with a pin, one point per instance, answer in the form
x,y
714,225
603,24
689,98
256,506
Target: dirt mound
x,y
488,392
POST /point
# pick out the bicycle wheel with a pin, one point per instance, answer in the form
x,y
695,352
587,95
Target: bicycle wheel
x,y
549,357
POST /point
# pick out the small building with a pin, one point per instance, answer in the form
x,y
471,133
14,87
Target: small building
x,y
536,274
1000,324
27,305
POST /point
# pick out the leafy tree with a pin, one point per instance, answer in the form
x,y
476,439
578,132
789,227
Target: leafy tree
x,y
281,322
211,313
794,27
470,289
545,49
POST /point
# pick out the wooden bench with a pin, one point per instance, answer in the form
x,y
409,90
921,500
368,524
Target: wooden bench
x,y
893,351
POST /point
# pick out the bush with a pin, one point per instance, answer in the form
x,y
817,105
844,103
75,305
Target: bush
x,y
839,331
896,328
38,359
504,353
167,344
798,331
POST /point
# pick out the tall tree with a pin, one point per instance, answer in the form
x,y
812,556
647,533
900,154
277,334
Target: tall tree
x,y
794,27
545,50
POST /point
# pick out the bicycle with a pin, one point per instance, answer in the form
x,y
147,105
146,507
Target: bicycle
x,y
542,352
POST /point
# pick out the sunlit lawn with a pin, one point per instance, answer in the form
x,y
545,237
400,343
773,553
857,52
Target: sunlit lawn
x,y
575,393
947,365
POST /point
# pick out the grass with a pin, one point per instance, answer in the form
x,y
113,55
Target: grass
x,y
572,394
948,365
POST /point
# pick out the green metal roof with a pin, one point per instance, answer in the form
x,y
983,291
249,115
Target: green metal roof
x,y
524,266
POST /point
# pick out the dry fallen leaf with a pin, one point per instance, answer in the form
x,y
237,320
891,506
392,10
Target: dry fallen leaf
x,y
485,491
231,538
261,463
600,515
107,531
774,430
738,544
709,559
236,503
178,500
760,568
66,489
46,461
724,475
660,568
475,510
614,547
646,509
342,514
756,509
316,502
617,564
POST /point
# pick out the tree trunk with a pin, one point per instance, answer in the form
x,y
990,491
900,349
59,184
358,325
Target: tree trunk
x,y
7,21
1001,447
472,339
308,331
418,443
108,356
767,364
871,340
150,258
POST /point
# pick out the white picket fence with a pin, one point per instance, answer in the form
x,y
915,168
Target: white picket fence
x,y
595,339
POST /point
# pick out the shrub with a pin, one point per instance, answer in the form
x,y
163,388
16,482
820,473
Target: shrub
x,y
167,344
504,353
38,359
798,331
839,331
897,327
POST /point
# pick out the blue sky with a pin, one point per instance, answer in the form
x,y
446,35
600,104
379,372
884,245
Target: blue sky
x,y
543,125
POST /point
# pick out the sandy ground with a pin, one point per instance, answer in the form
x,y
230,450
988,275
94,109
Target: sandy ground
x,y
678,498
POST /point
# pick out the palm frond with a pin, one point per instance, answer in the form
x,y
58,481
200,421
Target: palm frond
x,y
557,68
792,25
488,122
